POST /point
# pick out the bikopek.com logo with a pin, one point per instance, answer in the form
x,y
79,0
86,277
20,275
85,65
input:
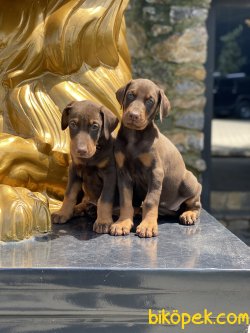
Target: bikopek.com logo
x,y
164,317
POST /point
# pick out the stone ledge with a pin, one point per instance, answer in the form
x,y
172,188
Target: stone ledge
x,y
205,245
74,280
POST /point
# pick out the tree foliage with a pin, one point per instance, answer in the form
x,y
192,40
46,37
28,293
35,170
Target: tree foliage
x,y
230,58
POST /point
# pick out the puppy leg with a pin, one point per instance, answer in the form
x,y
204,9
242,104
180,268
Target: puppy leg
x,y
105,203
85,208
69,201
191,188
125,221
149,226
125,185
81,208
92,188
191,215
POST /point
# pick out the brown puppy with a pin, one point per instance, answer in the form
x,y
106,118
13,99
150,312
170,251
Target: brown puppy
x,y
93,165
149,165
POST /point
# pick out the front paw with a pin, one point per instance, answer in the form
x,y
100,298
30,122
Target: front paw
x,y
60,217
121,228
147,229
189,217
102,226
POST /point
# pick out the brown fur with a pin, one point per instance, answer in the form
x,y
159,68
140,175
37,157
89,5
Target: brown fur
x,y
150,164
93,165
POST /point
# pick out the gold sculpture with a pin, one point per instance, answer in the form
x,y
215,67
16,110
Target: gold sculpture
x,y
51,52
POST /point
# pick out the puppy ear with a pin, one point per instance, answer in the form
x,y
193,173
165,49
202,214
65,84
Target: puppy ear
x,y
121,93
164,105
65,116
110,121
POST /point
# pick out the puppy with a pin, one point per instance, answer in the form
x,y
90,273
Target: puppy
x,y
150,167
93,165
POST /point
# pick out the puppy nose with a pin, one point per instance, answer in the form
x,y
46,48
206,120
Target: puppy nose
x,y
134,116
82,151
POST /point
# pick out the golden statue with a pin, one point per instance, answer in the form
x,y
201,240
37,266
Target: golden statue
x,y
51,52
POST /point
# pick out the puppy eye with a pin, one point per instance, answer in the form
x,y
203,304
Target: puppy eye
x,y
130,95
150,102
72,124
94,127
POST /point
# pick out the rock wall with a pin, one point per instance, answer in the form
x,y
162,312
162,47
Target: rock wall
x,y
168,44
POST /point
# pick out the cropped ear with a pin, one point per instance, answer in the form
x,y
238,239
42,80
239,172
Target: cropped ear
x,y
110,121
164,105
121,93
65,116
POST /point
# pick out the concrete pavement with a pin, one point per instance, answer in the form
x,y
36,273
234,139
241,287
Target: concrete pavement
x,y
230,137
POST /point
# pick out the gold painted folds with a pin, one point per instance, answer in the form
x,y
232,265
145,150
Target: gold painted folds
x,y
53,52
28,210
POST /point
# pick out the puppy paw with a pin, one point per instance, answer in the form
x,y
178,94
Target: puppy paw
x,y
102,226
60,217
79,210
147,229
189,217
121,228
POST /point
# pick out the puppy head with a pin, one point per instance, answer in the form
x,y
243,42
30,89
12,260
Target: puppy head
x,y
140,100
87,122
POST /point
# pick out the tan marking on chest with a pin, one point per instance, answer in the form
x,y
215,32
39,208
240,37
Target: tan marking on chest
x,y
120,158
103,163
146,159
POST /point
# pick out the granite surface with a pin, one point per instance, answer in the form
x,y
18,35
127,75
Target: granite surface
x,y
206,245
74,281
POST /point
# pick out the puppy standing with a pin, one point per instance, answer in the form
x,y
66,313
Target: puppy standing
x,y
149,165
93,164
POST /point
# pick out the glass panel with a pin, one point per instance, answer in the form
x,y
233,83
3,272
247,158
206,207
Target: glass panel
x,y
232,62
230,187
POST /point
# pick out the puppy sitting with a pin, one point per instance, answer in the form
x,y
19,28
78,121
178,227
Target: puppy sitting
x,y
93,165
149,165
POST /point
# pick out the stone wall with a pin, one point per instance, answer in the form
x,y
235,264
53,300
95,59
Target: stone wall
x,y
168,44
